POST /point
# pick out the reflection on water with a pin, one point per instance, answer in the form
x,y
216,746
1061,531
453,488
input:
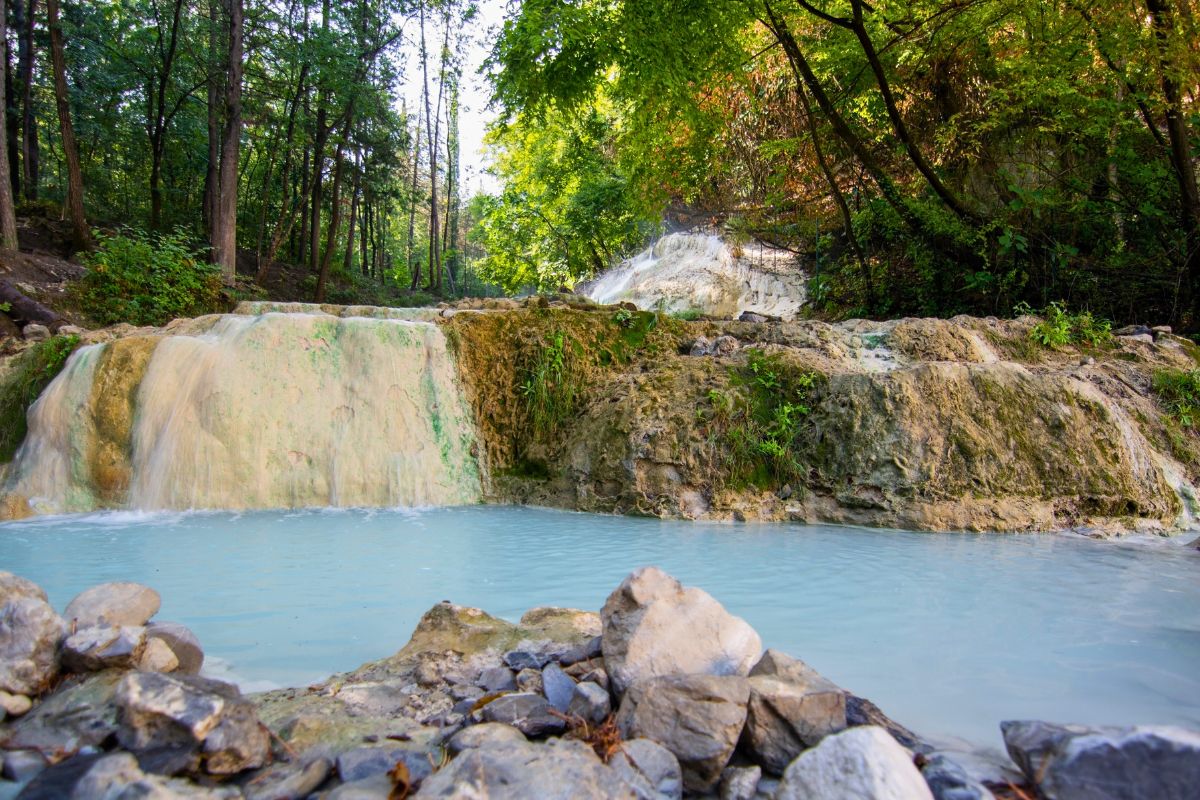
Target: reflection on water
x,y
949,633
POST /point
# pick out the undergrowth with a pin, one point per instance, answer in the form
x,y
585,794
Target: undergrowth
x,y
147,279
761,418
1179,393
1059,327
30,373
557,372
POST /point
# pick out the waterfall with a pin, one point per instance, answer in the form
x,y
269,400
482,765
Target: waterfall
x,y
276,410
701,271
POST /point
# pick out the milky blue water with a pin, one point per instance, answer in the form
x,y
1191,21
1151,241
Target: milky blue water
x,y
948,633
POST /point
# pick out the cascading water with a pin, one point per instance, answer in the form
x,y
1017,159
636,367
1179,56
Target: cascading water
x,y
267,411
701,271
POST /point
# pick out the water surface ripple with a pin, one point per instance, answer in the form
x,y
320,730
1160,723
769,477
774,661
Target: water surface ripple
x,y
949,633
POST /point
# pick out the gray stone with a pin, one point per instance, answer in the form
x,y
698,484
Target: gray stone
x,y
527,712
288,781
465,692
1161,329
750,316
596,676
14,586
79,714
157,710
497,679
696,717
650,769
524,659
363,762
591,702
428,674
183,644
529,680
107,777
58,781
30,633
700,347
1073,762
584,652
725,346
14,705
21,765
948,780
561,769
860,711
376,787
740,783
95,648
35,332
792,707
654,627
71,330
865,763
484,734
157,656
113,604
558,687
1133,330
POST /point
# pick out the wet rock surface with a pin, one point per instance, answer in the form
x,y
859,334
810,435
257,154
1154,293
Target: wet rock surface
x,y
113,604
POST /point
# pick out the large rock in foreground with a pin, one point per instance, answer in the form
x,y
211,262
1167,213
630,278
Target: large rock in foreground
x,y
654,627
1075,762
30,633
114,604
792,707
862,763
697,717
562,769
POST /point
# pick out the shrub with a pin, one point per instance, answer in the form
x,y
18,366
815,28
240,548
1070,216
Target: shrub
x,y
1059,327
30,373
147,279
1179,393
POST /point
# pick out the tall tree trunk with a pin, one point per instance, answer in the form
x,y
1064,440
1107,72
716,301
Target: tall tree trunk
x,y
158,117
12,121
287,221
225,227
363,264
335,218
212,176
83,236
348,258
30,155
302,246
414,270
318,163
8,216
1177,134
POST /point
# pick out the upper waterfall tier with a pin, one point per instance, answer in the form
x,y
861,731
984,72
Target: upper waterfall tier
x,y
240,412
703,272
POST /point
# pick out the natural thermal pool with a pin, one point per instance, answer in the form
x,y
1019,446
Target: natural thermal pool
x,y
948,633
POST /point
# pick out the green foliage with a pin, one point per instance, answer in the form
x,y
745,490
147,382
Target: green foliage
x,y
1179,393
552,384
762,419
147,279
688,314
29,374
1058,327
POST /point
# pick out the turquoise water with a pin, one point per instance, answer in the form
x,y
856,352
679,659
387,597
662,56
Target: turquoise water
x,y
948,633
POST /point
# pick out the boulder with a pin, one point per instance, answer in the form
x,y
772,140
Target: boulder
x,y
158,657
648,768
114,776
527,712
529,680
30,633
484,734
183,644
1073,762
558,687
948,780
35,332
14,705
95,648
113,604
376,787
791,708
561,769
497,679
865,763
591,702
739,783
14,586
725,345
363,762
81,713
207,716
21,765
584,652
524,659
288,781
655,627
697,717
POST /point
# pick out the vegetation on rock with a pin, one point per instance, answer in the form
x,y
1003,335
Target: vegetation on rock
x,y
22,382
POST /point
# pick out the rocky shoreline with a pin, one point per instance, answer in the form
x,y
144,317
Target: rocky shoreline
x,y
663,694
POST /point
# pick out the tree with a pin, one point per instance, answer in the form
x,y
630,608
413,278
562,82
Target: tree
x,y
8,217
225,221
79,226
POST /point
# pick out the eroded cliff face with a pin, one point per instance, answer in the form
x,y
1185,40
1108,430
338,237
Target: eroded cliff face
x,y
926,424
